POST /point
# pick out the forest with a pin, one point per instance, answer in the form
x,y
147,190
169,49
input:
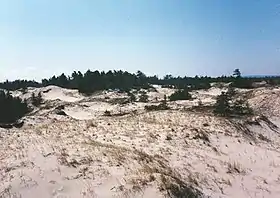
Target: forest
x,y
13,108
92,81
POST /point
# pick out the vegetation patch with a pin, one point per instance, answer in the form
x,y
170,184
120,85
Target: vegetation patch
x,y
12,108
235,168
227,104
180,95
161,106
36,100
121,101
176,188
132,97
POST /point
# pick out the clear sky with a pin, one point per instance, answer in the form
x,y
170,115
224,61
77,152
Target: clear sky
x,y
39,38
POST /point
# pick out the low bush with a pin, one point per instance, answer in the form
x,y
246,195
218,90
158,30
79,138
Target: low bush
x,y
12,108
228,105
222,106
242,83
199,86
180,95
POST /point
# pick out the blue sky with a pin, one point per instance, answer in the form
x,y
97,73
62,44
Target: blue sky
x,y
39,38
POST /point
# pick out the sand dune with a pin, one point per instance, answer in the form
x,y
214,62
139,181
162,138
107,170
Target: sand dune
x,y
134,153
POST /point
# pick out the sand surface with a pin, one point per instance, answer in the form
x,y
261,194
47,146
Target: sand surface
x,y
135,153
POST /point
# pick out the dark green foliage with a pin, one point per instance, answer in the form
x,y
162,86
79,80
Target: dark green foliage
x,y
161,106
18,84
228,105
180,95
201,85
36,100
243,83
92,81
222,106
273,81
12,108
239,82
237,73
241,107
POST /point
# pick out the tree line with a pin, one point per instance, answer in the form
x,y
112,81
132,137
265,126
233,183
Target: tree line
x,y
92,81
13,108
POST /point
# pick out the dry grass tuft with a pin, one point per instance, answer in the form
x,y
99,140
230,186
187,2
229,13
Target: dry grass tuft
x,y
264,138
177,188
202,135
90,124
235,167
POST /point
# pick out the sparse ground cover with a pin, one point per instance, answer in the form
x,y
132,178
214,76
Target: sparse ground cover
x,y
181,151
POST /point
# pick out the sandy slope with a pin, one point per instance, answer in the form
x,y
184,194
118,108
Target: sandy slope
x,y
140,154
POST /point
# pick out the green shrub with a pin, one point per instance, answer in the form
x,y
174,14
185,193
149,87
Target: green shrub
x,y
243,83
12,108
228,105
241,107
202,85
180,95
222,106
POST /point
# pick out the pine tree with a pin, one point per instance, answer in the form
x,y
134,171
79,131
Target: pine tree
x,y
12,108
228,105
222,106
237,73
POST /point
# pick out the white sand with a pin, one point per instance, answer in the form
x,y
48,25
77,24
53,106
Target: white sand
x,y
86,154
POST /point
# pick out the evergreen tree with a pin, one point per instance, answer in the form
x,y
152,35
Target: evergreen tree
x,y
90,82
63,81
228,105
12,108
237,73
222,106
